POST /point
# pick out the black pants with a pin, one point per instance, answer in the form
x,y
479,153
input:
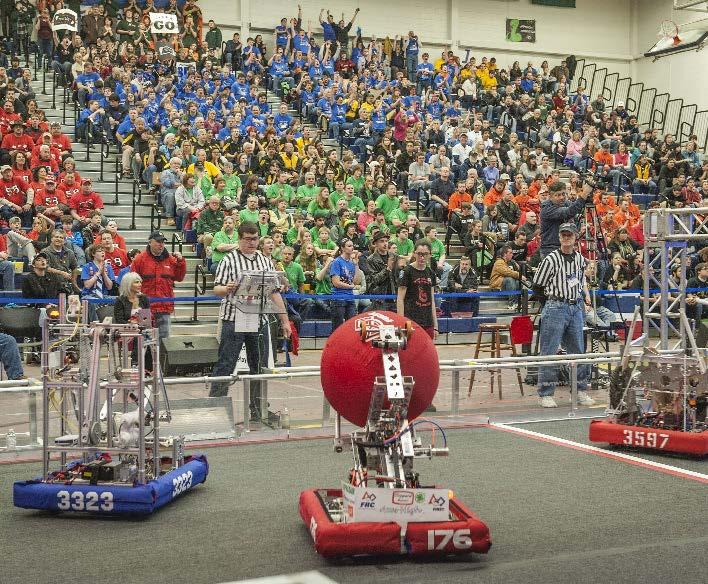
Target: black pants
x,y
229,351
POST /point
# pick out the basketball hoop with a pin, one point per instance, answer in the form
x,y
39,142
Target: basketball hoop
x,y
669,32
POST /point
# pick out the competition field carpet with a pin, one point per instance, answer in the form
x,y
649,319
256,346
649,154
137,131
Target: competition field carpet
x,y
557,513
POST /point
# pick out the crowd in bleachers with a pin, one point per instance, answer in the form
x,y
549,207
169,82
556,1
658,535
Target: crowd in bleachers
x,y
474,145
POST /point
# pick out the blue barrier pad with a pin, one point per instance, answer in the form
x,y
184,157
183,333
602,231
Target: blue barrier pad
x,y
624,303
112,499
463,325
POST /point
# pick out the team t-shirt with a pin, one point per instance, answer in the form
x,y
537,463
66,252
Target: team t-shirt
x,y
417,303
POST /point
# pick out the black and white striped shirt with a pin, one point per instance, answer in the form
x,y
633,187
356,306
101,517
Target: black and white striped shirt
x,y
562,275
228,270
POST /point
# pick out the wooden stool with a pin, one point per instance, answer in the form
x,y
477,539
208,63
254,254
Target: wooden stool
x,y
494,347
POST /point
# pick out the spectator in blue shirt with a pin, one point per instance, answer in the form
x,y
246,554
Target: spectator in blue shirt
x,y
328,27
412,49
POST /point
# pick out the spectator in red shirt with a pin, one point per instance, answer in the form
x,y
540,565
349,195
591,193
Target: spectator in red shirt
x,y
60,141
51,201
69,165
8,116
115,256
83,203
34,128
44,158
17,140
69,184
16,197
118,239
21,167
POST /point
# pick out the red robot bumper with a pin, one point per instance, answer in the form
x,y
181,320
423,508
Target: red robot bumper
x,y
463,535
695,443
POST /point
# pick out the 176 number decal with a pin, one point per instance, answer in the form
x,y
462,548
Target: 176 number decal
x,y
438,539
645,439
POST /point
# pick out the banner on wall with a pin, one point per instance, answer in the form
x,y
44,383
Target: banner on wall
x,y
520,31
161,23
64,19
559,3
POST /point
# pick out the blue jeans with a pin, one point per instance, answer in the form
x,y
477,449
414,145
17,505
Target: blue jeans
x,y
7,272
561,324
229,351
411,66
10,357
341,311
162,322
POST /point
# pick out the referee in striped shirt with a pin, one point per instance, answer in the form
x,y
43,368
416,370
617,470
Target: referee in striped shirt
x,y
560,278
238,327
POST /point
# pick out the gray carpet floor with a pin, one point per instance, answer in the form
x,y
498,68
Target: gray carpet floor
x,y
555,514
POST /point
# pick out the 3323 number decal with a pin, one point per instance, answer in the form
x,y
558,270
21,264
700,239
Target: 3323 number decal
x,y
438,539
89,501
181,483
645,439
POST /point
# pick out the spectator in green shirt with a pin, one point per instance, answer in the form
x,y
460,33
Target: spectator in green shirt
x,y
265,227
280,190
293,233
378,223
338,192
225,240
324,246
356,179
250,213
293,270
210,221
403,244
319,222
388,201
308,192
321,203
368,192
354,202
398,217
437,252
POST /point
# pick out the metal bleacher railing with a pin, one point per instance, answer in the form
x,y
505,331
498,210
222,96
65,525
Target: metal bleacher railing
x,y
654,110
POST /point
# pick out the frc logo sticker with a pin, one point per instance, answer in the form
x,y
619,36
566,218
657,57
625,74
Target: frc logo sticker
x,y
373,320
402,498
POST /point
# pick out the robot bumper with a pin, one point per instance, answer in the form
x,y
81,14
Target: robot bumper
x,y
383,508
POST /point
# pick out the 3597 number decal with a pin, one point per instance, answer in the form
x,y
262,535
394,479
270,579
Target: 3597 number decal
x,y
645,439
89,501
181,483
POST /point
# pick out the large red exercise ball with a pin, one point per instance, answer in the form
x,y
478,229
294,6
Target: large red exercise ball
x,y
350,364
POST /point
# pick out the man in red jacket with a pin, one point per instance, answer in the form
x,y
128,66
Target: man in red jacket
x,y
160,270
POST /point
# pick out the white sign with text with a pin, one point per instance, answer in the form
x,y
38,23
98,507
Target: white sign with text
x,y
381,505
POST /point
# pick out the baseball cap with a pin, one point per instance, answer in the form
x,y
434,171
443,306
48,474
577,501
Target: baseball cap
x,y
568,227
380,235
620,103
18,123
41,254
157,236
50,179
5,167
85,181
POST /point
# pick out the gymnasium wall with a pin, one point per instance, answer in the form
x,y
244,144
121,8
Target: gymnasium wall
x,y
478,25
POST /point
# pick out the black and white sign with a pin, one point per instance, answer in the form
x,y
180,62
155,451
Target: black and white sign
x,y
64,19
163,23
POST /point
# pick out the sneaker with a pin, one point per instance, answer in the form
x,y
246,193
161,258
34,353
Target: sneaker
x,y
547,401
511,305
584,399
